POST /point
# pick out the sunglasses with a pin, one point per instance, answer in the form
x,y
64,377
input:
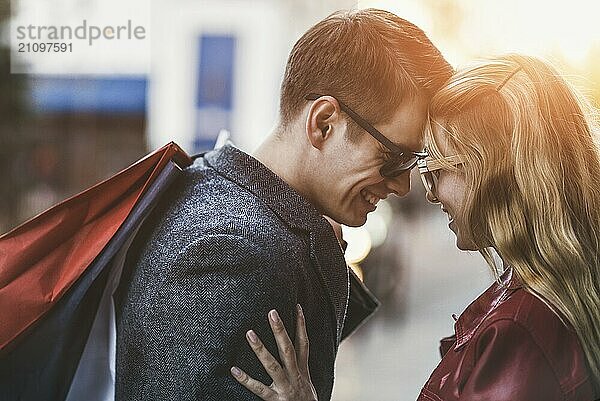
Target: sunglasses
x,y
429,170
400,160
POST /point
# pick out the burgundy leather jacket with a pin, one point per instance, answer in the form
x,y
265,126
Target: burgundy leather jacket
x,y
510,346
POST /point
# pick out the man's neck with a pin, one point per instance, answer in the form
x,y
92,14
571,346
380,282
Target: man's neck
x,y
282,156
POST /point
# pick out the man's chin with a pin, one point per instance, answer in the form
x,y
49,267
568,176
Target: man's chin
x,y
355,221
358,215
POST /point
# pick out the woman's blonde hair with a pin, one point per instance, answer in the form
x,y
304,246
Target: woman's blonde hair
x,y
533,172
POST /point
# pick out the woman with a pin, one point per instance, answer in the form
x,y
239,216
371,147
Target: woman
x,y
514,162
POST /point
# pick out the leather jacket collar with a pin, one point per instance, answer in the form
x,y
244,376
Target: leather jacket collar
x,y
472,317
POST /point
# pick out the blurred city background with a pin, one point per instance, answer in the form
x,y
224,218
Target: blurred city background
x,y
218,64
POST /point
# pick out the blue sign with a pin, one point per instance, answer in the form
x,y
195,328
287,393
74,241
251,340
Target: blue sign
x,y
214,94
61,94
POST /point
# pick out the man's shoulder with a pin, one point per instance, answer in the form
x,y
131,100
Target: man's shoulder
x,y
207,198
200,182
203,203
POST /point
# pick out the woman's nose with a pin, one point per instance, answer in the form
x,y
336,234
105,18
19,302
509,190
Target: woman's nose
x,y
431,197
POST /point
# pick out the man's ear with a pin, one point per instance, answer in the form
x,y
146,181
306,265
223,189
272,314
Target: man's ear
x,y
323,118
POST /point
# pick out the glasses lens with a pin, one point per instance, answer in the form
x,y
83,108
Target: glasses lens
x,y
398,165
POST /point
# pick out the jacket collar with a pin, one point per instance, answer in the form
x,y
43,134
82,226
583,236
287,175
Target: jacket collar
x,y
251,174
472,317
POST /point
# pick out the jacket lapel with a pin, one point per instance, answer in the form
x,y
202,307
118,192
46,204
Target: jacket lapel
x,y
327,256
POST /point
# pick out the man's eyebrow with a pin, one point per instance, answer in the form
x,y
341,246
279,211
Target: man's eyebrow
x,y
404,148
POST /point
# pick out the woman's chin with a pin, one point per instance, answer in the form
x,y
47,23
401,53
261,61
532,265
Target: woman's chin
x,y
465,247
465,244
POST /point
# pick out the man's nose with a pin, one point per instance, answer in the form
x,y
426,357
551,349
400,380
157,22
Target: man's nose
x,y
400,185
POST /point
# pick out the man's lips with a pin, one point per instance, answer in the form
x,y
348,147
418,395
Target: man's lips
x,y
371,197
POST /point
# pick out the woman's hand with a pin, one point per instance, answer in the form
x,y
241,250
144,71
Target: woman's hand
x,y
290,382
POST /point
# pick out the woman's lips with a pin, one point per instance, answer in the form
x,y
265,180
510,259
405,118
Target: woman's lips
x,y
450,218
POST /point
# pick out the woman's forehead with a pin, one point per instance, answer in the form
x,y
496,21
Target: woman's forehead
x,y
439,138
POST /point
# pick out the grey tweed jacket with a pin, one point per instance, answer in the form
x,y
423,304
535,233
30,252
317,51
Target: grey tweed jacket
x,y
228,243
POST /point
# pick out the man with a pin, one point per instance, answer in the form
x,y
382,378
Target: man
x,y
240,235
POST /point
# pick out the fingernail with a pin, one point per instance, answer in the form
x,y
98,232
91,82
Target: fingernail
x,y
252,336
274,316
236,372
299,308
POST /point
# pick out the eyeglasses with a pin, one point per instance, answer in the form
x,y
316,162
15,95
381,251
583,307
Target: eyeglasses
x,y
400,161
429,169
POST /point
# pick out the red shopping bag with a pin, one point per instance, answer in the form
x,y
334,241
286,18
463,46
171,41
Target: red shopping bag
x,y
42,258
